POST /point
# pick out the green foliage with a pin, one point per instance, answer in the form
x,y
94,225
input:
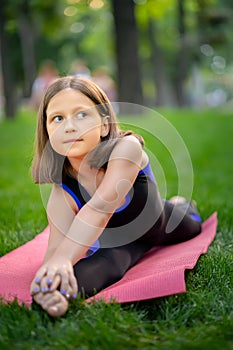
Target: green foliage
x,y
64,37
17,224
68,30
154,9
205,23
199,319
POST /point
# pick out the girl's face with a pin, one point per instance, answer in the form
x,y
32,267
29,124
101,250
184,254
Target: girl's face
x,y
73,124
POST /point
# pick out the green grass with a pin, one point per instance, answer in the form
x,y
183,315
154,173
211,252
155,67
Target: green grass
x,y
201,318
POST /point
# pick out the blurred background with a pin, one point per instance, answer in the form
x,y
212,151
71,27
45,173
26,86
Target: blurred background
x,y
175,53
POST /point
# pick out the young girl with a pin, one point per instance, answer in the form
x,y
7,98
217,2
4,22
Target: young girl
x,y
104,209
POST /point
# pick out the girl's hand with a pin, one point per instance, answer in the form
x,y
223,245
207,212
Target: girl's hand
x,y
54,273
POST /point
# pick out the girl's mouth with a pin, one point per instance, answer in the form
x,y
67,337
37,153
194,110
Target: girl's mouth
x,y
72,141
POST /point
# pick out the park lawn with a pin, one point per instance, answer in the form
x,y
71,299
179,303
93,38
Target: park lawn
x,y
201,318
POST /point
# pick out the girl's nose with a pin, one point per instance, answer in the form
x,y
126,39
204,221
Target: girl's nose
x,y
70,125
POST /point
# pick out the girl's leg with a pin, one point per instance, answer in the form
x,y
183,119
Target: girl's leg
x,y
94,273
106,266
179,222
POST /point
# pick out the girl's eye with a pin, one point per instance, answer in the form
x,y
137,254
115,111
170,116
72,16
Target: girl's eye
x,y
57,118
81,115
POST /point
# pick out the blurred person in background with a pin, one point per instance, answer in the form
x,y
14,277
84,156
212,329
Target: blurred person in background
x,y
79,69
47,74
102,78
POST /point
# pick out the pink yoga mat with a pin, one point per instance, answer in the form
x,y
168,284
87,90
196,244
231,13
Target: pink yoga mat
x,y
159,273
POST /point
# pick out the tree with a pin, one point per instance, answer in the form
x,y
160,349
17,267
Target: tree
x,y
181,55
169,40
5,51
26,29
153,18
128,65
33,20
27,21
164,92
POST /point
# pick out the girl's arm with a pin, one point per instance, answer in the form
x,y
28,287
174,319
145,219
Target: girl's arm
x,y
61,211
123,167
88,224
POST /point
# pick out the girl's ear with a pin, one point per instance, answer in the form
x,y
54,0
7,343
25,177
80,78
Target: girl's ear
x,y
105,127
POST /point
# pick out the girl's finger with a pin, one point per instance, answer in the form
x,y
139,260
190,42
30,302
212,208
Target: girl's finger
x,y
47,280
55,283
50,277
73,285
64,287
36,282
40,274
70,290
44,284
34,288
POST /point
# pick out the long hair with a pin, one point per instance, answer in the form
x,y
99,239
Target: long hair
x,y
50,167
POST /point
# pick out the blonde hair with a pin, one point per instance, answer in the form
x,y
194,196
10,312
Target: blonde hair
x,y
50,167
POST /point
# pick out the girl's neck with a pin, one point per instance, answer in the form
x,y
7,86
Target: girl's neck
x,y
79,165
88,177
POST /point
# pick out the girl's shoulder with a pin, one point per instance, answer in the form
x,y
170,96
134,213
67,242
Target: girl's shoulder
x,y
127,142
129,148
127,145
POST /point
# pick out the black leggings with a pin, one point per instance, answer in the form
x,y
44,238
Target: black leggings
x,y
108,265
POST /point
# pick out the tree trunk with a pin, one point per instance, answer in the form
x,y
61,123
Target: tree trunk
x,y
27,38
8,85
164,94
181,57
128,65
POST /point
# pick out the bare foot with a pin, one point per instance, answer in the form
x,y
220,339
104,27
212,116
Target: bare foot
x,y
177,200
53,302
181,200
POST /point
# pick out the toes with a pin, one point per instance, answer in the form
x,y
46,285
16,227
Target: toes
x,y
54,303
56,306
50,299
58,309
54,311
38,298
